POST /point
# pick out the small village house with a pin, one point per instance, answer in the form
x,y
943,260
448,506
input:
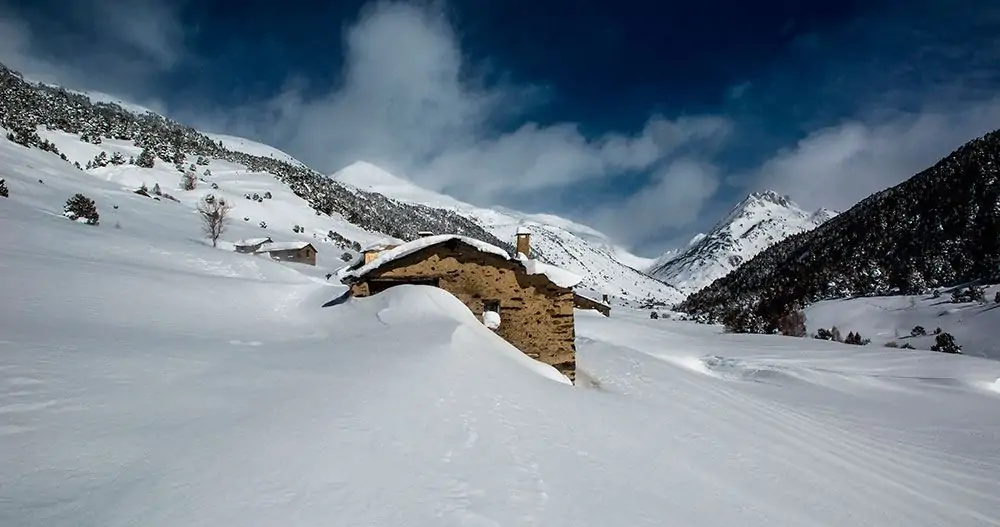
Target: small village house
x,y
298,252
528,303
250,245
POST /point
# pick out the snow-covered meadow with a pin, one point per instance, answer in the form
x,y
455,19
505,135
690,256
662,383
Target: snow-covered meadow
x,y
149,379
891,319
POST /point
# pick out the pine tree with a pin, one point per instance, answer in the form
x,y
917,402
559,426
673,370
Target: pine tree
x,y
156,190
81,207
3,188
146,158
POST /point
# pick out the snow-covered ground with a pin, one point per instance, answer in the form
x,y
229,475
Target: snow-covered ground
x,y
975,326
149,379
112,185
605,267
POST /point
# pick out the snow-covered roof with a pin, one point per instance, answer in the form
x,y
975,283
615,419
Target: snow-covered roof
x,y
249,242
284,246
378,246
558,276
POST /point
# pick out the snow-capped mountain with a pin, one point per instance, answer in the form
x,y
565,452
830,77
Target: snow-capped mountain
x,y
606,268
756,223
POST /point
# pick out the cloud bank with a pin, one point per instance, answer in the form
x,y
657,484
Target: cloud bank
x,y
409,101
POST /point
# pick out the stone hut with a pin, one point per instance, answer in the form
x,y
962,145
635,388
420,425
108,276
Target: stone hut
x,y
250,245
585,302
534,300
298,252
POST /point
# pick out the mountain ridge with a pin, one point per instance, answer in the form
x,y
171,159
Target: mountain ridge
x,y
755,223
937,228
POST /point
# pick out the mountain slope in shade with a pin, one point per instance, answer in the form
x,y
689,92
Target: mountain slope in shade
x,y
756,223
606,268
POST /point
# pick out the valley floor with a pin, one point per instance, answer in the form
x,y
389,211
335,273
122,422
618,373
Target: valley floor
x,y
149,379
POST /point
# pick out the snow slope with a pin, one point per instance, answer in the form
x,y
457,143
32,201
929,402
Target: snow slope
x,y
606,268
891,319
149,379
756,223
240,144
280,213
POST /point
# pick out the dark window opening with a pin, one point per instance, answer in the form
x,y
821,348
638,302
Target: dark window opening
x,y
377,286
491,305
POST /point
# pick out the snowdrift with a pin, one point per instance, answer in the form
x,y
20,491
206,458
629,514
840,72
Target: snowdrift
x,y
148,379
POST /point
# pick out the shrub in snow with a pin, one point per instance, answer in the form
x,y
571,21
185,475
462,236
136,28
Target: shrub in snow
x,y
267,195
298,229
937,331
156,189
189,181
3,188
654,315
996,298
855,339
247,195
246,218
263,225
81,208
793,324
892,344
346,257
117,159
907,346
214,215
146,158
969,294
215,186
823,334
918,331
207,173
945,343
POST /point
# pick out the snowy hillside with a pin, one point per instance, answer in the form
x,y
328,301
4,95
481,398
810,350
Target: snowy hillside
x,y
891,319
606,268
253,148
756,223
116,185
149,379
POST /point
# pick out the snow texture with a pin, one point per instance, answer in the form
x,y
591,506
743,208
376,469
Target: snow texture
x,y
283,246
419,244
892,318
149,379
491,319
250,242
560,277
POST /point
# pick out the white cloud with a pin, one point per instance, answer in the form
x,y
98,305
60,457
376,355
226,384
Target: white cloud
x,y
116,46
840,165
408,101
674,197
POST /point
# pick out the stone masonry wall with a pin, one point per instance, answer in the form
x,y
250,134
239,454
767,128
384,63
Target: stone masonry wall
x,y
536,315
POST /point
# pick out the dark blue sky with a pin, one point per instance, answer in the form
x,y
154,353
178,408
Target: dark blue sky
x,y
527,104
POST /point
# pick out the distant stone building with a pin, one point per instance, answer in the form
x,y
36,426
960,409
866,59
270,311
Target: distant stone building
x,y
298,252
534,301
585,302
250,245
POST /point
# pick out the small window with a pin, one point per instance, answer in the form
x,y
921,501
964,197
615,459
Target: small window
x,y
491,305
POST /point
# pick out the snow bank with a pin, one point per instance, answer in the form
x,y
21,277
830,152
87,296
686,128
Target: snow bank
x,y
148,379
892,318
559,276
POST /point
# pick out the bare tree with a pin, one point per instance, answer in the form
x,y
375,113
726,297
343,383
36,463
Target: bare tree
x,y
214,215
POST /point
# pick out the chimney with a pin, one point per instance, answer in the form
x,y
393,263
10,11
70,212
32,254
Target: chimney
x,y
524,241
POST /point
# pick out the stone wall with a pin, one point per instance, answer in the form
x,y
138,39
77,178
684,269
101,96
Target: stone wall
x,y
582,302
536,315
